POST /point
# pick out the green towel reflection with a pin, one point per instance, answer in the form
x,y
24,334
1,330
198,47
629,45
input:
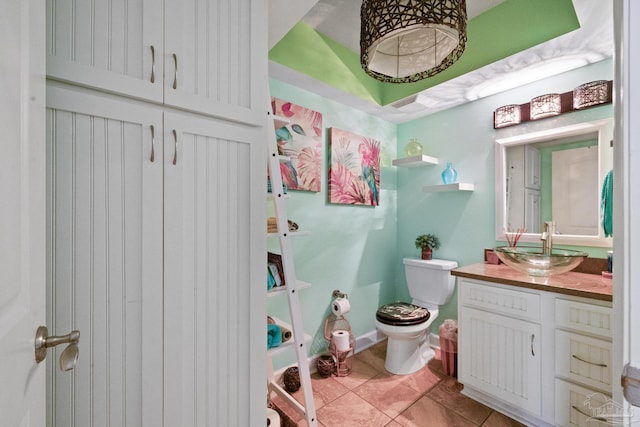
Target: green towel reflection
x,y
606,205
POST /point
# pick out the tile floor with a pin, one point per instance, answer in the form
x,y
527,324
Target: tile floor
x,y
372,397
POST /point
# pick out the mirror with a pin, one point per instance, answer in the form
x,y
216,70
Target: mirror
x,y
554,174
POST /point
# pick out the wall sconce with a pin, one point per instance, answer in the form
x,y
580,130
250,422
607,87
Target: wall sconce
x,y
545,106
590,94
587,95
506,115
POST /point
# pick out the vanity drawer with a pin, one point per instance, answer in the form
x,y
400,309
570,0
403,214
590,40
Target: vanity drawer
x,y
583,317
579,406
584,359
500,300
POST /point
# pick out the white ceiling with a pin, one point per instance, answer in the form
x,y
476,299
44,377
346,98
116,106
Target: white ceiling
x,y
340,19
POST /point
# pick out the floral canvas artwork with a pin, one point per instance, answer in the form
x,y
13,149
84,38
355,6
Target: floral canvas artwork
x,y
354,176
301,141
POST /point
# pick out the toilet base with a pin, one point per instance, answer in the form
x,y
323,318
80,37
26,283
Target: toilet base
x,y
405,357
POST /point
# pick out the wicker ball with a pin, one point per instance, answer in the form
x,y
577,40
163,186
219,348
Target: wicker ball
x,y
325,365
291,378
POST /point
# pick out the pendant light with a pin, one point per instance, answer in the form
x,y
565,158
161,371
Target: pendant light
x,y
403,41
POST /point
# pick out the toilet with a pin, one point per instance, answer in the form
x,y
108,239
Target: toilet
x,y
407,326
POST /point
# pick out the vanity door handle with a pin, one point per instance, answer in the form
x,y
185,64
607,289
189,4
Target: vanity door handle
x,y
602,365
153,143
175,71
153,65
533,337
175,147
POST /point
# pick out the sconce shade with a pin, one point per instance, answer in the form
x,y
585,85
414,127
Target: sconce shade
x,y
403,41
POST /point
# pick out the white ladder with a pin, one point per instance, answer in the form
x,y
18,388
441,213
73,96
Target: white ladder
x,y
292,285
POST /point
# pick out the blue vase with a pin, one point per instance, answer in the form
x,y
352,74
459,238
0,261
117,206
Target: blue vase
x,y
449,174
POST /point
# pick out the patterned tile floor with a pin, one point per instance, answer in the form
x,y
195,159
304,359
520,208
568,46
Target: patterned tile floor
x,y
372,397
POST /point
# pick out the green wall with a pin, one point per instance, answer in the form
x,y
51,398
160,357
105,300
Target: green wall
x,y
359,250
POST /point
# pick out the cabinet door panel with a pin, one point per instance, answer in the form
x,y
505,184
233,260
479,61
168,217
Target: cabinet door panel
x,y
107,45
104,260
216,58
501,356
215,253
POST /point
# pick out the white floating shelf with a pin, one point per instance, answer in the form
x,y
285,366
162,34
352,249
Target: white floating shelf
x,y
415,161
458,186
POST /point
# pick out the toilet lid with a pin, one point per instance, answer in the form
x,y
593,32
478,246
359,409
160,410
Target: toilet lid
x,y
402,313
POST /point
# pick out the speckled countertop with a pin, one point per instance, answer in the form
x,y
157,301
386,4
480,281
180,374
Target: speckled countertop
x,y
577,284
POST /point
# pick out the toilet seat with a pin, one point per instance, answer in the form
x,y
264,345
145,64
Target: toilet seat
x,y
402,314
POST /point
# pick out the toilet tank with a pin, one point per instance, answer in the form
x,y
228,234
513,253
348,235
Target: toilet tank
x,y
430,280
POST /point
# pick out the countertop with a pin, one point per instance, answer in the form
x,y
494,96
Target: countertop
x,y
572,283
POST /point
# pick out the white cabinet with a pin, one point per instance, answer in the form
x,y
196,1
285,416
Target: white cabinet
x,y
540,357
156,213
196,55
115,46
212,303
500,349
104,229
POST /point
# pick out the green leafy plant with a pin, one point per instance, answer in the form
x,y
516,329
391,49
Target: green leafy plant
x,y
425,241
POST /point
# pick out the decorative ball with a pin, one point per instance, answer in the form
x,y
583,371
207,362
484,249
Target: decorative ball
x,y
291,378
326,365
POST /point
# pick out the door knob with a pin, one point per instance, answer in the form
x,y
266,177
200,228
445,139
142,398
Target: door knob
x,y
69,355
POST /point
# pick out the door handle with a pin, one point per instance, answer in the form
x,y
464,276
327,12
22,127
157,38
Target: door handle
x,y
69,355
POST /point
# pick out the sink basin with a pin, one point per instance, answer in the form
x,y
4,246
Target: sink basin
x,y
531,260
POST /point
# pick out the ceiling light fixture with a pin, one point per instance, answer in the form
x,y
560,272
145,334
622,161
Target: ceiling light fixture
x,y
403,41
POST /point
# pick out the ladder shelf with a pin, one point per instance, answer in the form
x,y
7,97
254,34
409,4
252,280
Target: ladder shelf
x,y
299,340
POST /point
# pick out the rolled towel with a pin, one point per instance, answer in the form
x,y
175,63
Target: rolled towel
x,y
274,336
286,334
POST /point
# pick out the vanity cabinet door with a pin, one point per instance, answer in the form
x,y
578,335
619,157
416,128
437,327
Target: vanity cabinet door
x,y
501,356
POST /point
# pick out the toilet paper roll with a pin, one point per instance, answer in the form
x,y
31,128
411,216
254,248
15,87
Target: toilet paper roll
x,y
341,340
286,334
340,306
273,418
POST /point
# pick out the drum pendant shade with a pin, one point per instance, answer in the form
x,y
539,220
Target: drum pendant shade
x,y
403,41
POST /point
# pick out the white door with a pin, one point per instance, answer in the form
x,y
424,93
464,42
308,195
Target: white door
x,y
22,216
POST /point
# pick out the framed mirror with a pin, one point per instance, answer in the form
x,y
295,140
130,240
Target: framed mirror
x,y
556,175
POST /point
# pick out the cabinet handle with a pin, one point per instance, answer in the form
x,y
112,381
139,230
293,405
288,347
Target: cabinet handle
x,y
602,365
153,143
533,337
175,147
591,417
153,65
175,71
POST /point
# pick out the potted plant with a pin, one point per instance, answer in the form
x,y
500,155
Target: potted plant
x,y
427,242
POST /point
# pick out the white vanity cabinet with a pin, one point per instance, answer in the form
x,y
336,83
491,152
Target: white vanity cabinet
x,y
500,343
541,357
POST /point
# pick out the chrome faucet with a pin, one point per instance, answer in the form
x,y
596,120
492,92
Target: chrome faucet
x,y
547,237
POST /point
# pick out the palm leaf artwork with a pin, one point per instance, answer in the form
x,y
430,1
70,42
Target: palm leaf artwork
x,y
301,142
354,175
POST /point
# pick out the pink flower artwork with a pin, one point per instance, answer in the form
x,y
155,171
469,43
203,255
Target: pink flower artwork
x,y
354,176
301,142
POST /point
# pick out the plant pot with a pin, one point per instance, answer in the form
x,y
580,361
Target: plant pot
x,y
427,253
